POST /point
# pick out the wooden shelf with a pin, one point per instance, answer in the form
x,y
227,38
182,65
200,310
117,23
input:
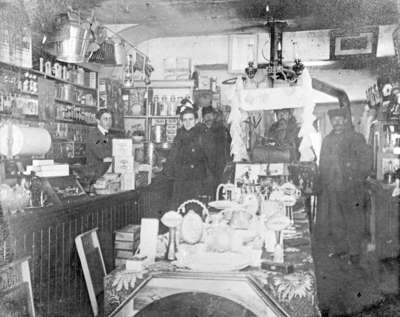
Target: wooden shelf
x,y
28,93
135,116
74,122
26,117
74,103
47,76
162,117
165,84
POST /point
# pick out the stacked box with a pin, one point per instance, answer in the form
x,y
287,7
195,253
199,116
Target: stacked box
x,y
171,128
128,181
124,159
126,242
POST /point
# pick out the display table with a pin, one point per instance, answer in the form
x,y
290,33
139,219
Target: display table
x,y
286,294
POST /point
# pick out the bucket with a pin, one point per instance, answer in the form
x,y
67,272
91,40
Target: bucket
x,y
73,49
70,41
158,133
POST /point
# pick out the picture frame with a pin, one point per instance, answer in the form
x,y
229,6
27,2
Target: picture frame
x,y
355,43
247,173
239,287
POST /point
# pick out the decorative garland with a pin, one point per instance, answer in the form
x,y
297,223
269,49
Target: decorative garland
x,y
238,126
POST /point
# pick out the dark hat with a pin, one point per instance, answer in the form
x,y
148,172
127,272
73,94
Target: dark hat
x,y
101,112
187,106
339,112
206,110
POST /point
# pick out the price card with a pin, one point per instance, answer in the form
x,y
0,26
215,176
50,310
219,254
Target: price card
x,y
172,121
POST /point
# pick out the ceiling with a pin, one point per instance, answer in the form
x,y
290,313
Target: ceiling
x,y
161,18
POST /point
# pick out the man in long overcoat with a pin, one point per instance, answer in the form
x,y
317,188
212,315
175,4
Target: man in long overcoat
x,y
216,141
345,163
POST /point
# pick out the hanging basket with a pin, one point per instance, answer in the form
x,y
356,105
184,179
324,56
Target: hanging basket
x,y
104,55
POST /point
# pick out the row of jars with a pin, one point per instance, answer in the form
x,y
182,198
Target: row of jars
x,y
165,106
75,114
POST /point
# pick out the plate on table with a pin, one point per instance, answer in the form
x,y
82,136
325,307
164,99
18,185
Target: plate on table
x,y
223,204
216,262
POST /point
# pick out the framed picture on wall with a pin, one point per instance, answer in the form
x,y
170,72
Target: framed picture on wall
x,y
362,42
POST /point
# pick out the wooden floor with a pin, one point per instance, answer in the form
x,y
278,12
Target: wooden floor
x,y
369,289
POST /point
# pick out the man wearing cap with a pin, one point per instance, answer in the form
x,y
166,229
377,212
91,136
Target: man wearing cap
x,y
215,139
281,142
345,163
98,146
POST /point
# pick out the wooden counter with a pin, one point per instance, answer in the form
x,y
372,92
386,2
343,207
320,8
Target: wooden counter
x,y
383,219
47,236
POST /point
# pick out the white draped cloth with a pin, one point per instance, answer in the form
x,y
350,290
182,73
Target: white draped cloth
x,y
299,96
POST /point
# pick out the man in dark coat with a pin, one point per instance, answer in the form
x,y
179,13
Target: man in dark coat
x,y
216,142
281,142
345,163
99,147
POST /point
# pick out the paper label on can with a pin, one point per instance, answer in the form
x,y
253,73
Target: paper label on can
x,y
172,121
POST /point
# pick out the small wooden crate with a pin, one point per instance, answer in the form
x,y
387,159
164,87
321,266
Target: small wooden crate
x,y
126,242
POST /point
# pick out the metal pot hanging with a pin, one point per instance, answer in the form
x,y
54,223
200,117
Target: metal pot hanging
x,y
71,39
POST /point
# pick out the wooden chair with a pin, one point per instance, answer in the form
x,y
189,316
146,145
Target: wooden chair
x,y
94,270
16,296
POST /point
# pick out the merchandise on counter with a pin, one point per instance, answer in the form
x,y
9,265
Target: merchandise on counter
x,y
25,140
128,181
109,183
123,164
122,147
51,170
126,243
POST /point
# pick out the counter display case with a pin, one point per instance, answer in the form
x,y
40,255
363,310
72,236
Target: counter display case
x,y
63,190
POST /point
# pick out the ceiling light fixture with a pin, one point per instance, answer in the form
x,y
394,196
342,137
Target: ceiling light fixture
x,y
275,69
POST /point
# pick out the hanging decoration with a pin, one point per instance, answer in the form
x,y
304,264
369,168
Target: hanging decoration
x,y
299,96
237,120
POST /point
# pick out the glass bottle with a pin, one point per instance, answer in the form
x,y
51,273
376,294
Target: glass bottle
x,y
164,106
172,109
389,175
155,107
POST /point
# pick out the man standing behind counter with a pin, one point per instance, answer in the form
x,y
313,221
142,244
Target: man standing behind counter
x,y
99,147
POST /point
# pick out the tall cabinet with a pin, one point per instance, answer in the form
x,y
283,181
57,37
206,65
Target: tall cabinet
x,y
150,111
